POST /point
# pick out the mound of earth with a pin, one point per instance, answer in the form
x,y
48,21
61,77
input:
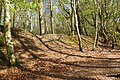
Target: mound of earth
x,y
56,57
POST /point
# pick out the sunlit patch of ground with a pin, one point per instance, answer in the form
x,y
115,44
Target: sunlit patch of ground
x,y
56,57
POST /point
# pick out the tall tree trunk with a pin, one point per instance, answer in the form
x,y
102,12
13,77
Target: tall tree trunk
x,y
69,28
41,25
51,17
76,20
79,20
14,15
40,18
45,24
0,11
8,37
96,37
72,18
31,22
96,24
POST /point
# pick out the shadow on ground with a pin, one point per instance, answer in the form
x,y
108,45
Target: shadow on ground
x,y
42,68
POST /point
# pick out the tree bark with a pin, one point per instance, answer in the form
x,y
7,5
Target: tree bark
x,y
31,22
79,20
72,18
14,14
103,15
8,37
41,25
0,11
96,24
76,20
51,17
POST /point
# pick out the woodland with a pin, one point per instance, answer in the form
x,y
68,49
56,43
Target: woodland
x,y
59,39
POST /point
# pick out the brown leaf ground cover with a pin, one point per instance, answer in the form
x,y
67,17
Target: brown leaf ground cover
x,y
56,57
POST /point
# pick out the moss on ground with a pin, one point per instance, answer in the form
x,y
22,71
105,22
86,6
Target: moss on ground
x,y
87,42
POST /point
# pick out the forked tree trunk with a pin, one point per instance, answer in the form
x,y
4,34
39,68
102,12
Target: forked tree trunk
x,y
103,15
76,20
8,37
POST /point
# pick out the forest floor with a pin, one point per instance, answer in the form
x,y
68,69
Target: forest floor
x,y
56,57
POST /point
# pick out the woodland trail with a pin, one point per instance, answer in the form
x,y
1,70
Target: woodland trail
x,y
48,58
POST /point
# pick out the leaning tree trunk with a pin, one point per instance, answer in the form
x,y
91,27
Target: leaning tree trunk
x,y
8,37
76,20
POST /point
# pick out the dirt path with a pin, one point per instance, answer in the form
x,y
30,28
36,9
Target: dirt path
x,y
95,65
48,58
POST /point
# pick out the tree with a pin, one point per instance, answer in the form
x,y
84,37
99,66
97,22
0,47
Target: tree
x,y
40,17
51,17
0,11
95,19
103,16
8,36
76,20
31,21
72,17
64,16
14,14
